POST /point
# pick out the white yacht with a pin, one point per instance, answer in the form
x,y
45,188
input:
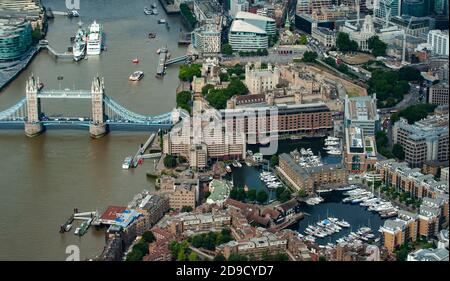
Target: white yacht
x,y
136,76
334,152
95,37
127,163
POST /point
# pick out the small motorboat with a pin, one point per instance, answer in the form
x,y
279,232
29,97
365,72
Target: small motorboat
x,y
40,86
135,61
151,35
147,11
136,76
158,51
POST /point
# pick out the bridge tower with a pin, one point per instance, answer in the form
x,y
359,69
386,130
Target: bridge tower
x,y
33,126
98,127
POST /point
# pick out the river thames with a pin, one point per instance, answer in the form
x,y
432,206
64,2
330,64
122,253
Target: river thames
x,y
44,178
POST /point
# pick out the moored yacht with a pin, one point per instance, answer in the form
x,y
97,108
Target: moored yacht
x,y
95,37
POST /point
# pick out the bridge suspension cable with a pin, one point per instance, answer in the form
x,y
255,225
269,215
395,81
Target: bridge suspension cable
x,y
15,112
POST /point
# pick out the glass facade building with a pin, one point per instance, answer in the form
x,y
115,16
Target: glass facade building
x,y
15,38
417,8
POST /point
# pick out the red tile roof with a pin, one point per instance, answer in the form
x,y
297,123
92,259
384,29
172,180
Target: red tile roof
x,y
111,211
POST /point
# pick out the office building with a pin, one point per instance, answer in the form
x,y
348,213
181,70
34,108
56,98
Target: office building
x,y
15,38
438,40
362,112
438,94
238,6
391,7
265,23
425,140
324,36
417,8
244,36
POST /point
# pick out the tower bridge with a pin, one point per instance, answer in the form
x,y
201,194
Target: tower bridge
x,y
106,113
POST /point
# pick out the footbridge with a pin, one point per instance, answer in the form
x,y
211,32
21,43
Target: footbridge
x,y
106,113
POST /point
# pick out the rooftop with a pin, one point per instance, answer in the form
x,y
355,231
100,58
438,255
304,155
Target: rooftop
x,y
361,108
429,255
252,16
242,26
220,190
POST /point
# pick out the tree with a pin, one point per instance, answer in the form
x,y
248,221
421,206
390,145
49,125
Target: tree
x,y
219,257
377,47
303,40
186,209
197,241
170,161
134,255
187,14
193,256
206,89
224,77
415,112
141,246
236,87
409,73
302,193
344,44
184,100
398,151
181,256
36,34
237,257
251,195
309,56
274,159
322,258
148,236
227,49
187,72
285,195
261,196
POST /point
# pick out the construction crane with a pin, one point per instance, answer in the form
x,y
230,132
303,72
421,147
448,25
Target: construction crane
x,y
404,41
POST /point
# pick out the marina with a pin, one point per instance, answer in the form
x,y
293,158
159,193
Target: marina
x,y
351,218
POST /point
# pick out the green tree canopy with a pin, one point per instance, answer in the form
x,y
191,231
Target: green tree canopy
x,y
344,44
188,71
274,159
262,196
227,49
398,151
170,161
148,236
309,56
184,100
377,47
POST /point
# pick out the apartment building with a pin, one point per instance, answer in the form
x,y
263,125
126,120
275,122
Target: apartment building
x,y
400,176
308,178
189,223
424,140
257,246
439,42
438,94
394,233
428,255
308,119
207,39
